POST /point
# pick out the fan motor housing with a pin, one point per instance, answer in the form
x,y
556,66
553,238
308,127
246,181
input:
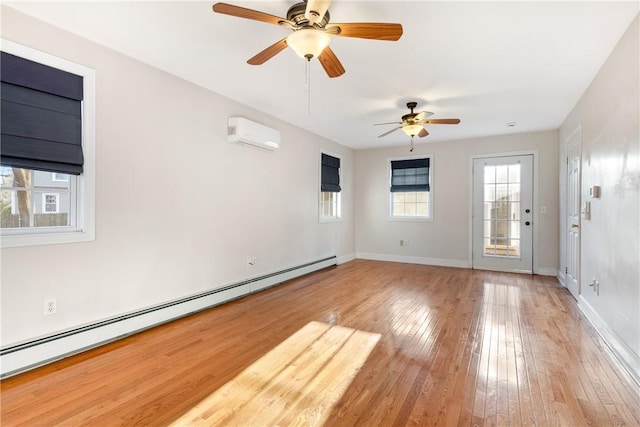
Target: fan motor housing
x,y
408,117
296,12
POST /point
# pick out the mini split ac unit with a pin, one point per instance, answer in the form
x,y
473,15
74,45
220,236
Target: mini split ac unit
x,y
245,131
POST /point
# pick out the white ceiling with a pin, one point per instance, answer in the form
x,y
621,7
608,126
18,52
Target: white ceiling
x,y
487,63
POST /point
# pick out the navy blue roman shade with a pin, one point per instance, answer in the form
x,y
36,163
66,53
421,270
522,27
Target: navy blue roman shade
x,y
409,175
330,174
41,116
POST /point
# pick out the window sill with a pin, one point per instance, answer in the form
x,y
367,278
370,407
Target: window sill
x,y
20,240
330,219
410,219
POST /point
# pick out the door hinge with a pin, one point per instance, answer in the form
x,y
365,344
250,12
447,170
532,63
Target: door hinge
x,y
566,270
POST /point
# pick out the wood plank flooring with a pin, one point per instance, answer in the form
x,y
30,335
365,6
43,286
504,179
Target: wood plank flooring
x,y
411,345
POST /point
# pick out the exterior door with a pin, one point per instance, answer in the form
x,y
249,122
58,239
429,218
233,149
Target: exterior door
x,y
503,214
572,270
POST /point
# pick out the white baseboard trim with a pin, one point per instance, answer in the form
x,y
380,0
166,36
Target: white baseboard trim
x,y
627,359
414,260
346,258
562,278
18,358
546,271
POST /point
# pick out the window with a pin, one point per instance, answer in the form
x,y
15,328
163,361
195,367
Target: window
x,y
410,189
47,159
330,209
62,177
501,213
50,203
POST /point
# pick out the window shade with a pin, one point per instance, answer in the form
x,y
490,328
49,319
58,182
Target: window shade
x,y
41,117
409,175
330,174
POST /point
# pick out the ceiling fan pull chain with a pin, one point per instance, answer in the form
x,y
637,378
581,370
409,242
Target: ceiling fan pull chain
x,y
307,84
411,149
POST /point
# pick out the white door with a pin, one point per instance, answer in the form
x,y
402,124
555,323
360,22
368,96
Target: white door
x,y
503,214
572,270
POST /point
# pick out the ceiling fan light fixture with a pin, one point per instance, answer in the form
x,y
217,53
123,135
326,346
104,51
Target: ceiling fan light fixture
x,y
308,43
412,130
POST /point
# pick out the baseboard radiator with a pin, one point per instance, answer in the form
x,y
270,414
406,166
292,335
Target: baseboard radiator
x,y
28,355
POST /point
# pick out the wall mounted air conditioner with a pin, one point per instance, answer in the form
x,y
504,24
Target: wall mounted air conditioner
x,y
244,131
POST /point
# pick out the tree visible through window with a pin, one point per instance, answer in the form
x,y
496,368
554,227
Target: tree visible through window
x,y
30,198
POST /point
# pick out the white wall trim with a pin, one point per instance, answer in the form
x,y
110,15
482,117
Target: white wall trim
x,y
414,260
24,356
628,361
546,271
562,278
346,258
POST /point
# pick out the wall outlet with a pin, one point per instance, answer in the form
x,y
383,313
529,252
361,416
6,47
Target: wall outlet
x,y
50,306
404,243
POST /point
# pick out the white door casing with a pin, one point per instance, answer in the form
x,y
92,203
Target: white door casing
x,y
572,270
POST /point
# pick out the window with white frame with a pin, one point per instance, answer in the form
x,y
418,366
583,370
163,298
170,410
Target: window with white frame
x,y
410,188
330,209
47,164
50,203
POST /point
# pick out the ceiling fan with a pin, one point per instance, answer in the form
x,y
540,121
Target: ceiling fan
x,y
312,32
412,123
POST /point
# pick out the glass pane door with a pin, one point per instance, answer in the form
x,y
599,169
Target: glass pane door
x,y
502,237
502,210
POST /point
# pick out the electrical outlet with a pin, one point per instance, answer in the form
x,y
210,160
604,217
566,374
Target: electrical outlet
x,y
50,306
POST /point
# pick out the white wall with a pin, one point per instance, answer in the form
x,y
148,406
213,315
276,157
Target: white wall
x,y
608,113
178,209
446,240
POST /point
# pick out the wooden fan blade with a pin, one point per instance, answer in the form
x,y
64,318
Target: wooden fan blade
x,y
423,133
331,63
442,121
388,132
366,30
316,9
423,115
388,123
242,12
268,53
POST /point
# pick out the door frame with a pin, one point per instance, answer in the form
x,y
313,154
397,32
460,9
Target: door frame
x,y
534,208
575,139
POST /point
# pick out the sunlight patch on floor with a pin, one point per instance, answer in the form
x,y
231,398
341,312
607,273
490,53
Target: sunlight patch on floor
x,y
296,383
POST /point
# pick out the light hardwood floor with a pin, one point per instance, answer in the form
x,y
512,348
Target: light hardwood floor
x,y
366,343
